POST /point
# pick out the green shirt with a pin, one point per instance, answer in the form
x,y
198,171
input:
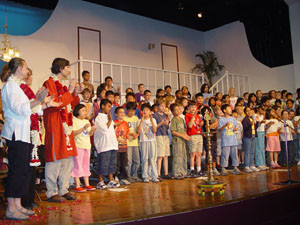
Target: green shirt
x,y
177,125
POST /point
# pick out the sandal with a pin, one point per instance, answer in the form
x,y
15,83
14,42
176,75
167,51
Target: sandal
x,y
69,196
56,198
27,212
15,216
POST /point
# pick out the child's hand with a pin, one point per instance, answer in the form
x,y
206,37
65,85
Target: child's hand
x,y
201,123
87,126
187,137
117,124
93,128
235,129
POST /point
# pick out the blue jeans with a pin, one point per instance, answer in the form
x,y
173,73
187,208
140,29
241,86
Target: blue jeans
x,y
225,152
260,157
249,148
107,162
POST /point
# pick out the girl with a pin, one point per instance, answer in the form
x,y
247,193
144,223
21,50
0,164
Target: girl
x,y
232,96
206,93
82,131
219,95
100,95
252,100
272,96
185,92
273,128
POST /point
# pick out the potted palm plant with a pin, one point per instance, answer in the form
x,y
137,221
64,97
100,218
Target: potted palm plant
x,y
209,65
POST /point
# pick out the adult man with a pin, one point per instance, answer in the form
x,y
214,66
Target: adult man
x,y
59,140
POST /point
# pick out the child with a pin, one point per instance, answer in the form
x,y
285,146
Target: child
x,y
199,100
273,128
117,100
147,129
133,153
296,124
130,97
140,94
100,95
226,100
260,157
227,126
232,96
168,90
109,95
178,94
82,131
239,135
106,144
240,111
86,95
162,139
195,144
122,131
147,97
179,136
249,133
289,105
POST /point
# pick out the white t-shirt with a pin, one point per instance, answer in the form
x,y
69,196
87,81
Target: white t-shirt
x,y
289,134
233,101
82,140
147,133
274,127
105,137
261,127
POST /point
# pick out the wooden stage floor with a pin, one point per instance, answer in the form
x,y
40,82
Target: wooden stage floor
x,y
145,200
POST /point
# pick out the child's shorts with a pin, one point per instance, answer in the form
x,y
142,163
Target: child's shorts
x,y
107,162
163,146
196,143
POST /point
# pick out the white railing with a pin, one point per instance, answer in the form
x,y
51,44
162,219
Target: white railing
x,y
130,76
238,82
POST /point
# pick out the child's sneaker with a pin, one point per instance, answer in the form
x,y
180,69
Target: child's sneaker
x,y
124,182
216,172
155,180
247,169
131,180
89,188
266,167
224,172
262,168
101,185
200,174
191,173
137,179
113,184
254,169
236,171
146,180
79,190
298,163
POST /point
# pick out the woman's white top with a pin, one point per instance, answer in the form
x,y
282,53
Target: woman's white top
x,y
16,107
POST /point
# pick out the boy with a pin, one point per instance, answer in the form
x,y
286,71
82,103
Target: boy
x,y
130,97
140,94
179,137
109,83
111,97
289,105
106,144
168,90
199,100
133,153
122,131
239,137
195,144
227,126
117,100
178,94
147,129
162,138
86,78
147,97
240,113
86,95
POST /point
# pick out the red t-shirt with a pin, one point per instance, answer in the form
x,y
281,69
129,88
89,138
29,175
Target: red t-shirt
x,y
122,131
196,128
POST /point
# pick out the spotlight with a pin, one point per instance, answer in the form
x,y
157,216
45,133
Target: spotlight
x,y
180,6
200,15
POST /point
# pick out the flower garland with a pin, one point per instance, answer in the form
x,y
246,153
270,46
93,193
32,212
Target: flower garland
x,y
67,123
35,124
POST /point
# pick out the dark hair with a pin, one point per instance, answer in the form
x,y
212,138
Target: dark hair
x,y
147,91
283,92
167,86
59,64
210,99
238,101
278,101
289,93
11,68
140,85
172,107
108,77
77,108
203,88
117,94
297,111
130,94
99,90
246,108
118,108
157,92
153,106
131,106
275,107
104,102
146,105
218,93
290,100
223,107
199,94
283,112
86,90
191,103
246,93
84,73
203,110
176,92
264,99
107,93
268,113
128,89
257,91
250,96
224,97
1,122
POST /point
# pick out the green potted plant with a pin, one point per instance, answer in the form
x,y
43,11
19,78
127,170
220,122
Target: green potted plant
x,y
209,65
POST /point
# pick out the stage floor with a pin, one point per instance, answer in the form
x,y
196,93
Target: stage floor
x,y
145,200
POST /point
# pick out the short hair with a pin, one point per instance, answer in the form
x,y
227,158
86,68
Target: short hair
x,y
283,92
59,64
146,105
176,92
278,101
199,94
192,103
290,100
160,101
104,102
224,97
117,94
86,90
153,106
130,106
109,93
130,94
128,89
234,111
140,85
172,107
283,112
245,109
223,107
289,93
246,93
264,99
107,78
147,91
167,86
118,109
77,109
84,73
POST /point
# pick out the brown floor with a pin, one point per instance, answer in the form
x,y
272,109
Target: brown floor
x,y
142,200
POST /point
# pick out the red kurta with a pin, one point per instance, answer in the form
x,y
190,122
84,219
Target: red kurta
x,y
54,132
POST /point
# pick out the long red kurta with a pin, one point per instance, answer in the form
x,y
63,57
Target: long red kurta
x,y
54,132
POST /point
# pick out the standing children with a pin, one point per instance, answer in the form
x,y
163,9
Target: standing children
x,y
106,144
227,126
140,94
82,131
179,136
147,129
86,95
239,136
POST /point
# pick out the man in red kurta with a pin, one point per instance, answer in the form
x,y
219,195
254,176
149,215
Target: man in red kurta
x,y
59,143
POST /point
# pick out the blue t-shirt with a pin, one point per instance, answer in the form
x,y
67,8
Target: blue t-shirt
x,y
228,137
163,129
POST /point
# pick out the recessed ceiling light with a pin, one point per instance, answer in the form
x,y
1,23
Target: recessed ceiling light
x,y
200,15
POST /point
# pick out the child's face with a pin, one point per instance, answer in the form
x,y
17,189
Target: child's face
x,y
219,96
273,113
228,110
179,94
267,103
168,90
246,96
291,115
285,115
278,112
289,105
239,110
200,100
102,94
111,98
121,114
252,112
227,100
262,111
86,95
181,109
86,77
117,99
278,95
278,104
185,102
192,109
185,90
141,88
248,112
130,112
130,99
290,97
106,108
155,109
212,102
235,115
146,112
259,94
218,102
206,89
161,93
176,111
162,107
147,96
231,92
82,113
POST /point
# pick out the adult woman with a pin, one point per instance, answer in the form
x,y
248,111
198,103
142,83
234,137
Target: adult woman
x,y
16,131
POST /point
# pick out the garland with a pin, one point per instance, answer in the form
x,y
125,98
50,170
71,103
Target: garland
x,y
35,123
65,112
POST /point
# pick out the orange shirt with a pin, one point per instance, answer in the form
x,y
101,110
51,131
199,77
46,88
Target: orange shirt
x,y
122,131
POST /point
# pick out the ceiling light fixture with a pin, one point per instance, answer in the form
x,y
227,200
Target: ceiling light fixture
x,y
200,15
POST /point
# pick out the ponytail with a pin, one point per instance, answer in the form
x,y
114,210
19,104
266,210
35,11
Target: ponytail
x,y
10,68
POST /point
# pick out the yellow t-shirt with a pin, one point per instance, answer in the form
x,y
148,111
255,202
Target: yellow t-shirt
x,y
252,126
133,124
82,140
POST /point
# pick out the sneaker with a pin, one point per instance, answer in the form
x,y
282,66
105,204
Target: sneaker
x,y
116,179
146,180
224,172
200,174
79,190
236,171
137,179
167,177
298,163
89,188
113,184
191,173
124,182
262,168
247,169
254,169
155,180
101,185
266,167
216,172
131,180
